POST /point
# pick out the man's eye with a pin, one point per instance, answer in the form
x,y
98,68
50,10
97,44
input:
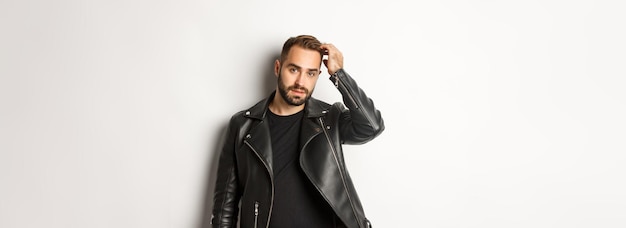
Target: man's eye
x,y
311,74
293,70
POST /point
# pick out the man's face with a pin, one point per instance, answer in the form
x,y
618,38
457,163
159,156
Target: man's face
x,y
297,75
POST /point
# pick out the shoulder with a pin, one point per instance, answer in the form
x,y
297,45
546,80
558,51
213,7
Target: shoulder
x,y
238,119
254,112
315,107
318,103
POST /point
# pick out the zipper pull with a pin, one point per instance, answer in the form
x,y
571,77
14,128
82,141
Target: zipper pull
x,y
256,213
256,208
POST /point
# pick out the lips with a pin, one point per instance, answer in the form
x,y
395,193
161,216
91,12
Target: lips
x,y
298,91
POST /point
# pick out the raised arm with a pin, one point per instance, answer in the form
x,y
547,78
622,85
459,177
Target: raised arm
x,y
361,121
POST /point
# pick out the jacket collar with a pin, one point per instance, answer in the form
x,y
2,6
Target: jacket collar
x,y
313,108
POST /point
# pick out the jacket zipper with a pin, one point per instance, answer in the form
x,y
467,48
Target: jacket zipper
x,y
256,213
343,180
337,83
350,96
256,205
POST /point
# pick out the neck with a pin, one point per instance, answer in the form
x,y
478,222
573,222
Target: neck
x,y
280,107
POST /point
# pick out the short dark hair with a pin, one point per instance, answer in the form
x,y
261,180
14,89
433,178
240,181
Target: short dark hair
x,y
303,41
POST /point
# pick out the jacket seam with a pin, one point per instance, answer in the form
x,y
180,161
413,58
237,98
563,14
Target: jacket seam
x,y
230,174
358,101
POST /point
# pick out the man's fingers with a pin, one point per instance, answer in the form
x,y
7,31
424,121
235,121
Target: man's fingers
x,y
334,60
328,48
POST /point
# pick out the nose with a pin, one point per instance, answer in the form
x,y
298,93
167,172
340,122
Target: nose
x,y
300,78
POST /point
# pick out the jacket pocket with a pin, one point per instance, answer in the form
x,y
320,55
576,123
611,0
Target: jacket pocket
x,y
256,214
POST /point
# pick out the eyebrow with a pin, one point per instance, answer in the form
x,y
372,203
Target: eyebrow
x,y
299,67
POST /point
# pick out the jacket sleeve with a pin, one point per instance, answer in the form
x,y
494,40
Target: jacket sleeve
x,y
361,121
226,195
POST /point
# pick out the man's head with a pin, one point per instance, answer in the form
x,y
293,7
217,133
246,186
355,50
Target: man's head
x,y
298,68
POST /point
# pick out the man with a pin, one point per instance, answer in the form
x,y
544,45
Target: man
x,y
282,162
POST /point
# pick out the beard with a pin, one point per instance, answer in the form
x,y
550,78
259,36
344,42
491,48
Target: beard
x,y
292,100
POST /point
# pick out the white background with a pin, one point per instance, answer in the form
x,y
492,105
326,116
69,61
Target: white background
x,y
498,113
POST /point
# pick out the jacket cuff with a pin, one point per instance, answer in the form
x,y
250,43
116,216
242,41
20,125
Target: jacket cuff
x,y
335,77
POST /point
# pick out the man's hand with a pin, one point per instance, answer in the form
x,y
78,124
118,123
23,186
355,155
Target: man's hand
x,y
335,58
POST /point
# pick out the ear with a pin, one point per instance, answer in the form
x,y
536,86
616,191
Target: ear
x,y
276,67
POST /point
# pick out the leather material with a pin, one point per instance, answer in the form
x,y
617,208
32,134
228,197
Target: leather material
x,y
245,165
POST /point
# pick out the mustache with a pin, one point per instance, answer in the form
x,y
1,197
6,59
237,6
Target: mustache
x,y
297,87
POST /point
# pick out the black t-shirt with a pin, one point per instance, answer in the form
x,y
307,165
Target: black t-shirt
x,y
296,201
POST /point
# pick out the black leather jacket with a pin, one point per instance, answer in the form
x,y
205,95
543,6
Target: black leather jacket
x,y
245,164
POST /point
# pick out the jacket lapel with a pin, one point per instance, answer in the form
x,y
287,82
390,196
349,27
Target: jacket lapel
x,y
308,130
310,127
259,135
259,139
